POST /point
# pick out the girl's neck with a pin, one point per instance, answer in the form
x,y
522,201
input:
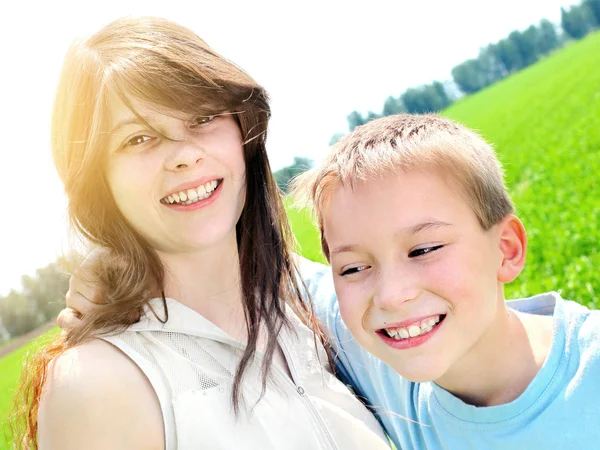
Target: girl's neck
x,y
208,282
502,364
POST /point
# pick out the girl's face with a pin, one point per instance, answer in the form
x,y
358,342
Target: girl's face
x,y
181,194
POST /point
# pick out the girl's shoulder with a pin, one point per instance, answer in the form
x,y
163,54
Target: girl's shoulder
x,y
96,397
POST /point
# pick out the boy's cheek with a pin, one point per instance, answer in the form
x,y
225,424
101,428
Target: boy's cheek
x,y
352,310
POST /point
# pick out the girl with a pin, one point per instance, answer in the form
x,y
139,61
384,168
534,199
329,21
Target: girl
x,y
202,340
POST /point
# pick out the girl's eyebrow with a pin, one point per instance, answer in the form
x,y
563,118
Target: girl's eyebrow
x,y
128,121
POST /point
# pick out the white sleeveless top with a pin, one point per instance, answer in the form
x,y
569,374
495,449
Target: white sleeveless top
x,y
190,363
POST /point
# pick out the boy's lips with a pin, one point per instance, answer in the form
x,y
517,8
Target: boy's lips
x,y
413,321
411,333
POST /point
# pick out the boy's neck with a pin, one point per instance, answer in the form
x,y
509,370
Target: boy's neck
x,y
501,365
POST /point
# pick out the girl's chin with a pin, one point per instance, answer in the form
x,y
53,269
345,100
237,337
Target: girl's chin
x,y
194,243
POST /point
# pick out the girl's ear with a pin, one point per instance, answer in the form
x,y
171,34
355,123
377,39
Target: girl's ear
x,y
513,245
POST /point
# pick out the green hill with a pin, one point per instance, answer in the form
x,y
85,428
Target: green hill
x,y
545,125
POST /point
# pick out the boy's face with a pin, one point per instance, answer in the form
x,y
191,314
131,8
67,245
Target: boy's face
x,y
415,273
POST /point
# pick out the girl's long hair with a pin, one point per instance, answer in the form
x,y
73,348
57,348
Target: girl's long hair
x,y
166,65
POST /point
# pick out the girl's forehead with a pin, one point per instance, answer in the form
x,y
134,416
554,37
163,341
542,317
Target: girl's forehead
x,y
132,109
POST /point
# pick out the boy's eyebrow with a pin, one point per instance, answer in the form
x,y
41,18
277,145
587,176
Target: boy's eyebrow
x,y
412,230
426,226
343,249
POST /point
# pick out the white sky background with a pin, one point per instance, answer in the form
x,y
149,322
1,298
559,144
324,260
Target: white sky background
x,y
319,60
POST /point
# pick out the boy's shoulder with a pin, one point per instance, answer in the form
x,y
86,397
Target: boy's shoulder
x,y
579,325
541,304
311,271
319,284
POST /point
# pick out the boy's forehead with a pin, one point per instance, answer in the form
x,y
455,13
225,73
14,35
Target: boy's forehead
x,y
403,200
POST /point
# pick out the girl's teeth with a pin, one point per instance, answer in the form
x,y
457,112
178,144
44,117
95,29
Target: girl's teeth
x,y
414,330
192,195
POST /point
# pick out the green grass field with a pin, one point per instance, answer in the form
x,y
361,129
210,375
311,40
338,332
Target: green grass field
x,y
545,124
10,372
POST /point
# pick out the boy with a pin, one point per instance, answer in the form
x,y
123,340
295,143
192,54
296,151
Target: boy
x,y
420,233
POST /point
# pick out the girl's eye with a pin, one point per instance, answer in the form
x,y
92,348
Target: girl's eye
x,y
353,270
422,251
202,120
137,140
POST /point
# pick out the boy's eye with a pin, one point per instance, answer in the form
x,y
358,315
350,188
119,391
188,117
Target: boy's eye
x,y
353,270
137,140
202,120
422,251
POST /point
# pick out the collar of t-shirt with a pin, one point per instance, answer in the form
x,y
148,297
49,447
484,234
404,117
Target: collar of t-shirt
x,y
550,372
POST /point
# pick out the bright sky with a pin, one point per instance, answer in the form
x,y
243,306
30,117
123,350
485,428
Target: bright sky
x,y
319,60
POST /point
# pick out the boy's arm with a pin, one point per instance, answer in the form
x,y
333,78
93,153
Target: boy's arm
x,y
83,295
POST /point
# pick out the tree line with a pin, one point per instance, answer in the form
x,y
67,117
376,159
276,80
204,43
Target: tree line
x,y
39,301
285,175
494,62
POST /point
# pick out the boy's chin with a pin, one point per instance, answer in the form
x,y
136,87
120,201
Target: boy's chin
x,y
417,374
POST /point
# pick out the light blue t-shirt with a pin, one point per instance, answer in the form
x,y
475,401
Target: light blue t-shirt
x,y
559,410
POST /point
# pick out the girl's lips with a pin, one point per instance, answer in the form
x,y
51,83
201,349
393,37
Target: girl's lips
x,y
192,184
199,204
409,342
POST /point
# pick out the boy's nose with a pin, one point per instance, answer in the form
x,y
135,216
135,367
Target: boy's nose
x,y
393,289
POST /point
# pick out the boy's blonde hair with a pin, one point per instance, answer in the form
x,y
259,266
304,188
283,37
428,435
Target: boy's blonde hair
x,y
411,142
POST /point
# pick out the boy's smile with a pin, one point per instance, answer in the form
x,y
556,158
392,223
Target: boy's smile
x,y
415,273
411,333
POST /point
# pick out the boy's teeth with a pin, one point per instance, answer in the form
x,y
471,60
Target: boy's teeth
x,y
427,326
413,330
